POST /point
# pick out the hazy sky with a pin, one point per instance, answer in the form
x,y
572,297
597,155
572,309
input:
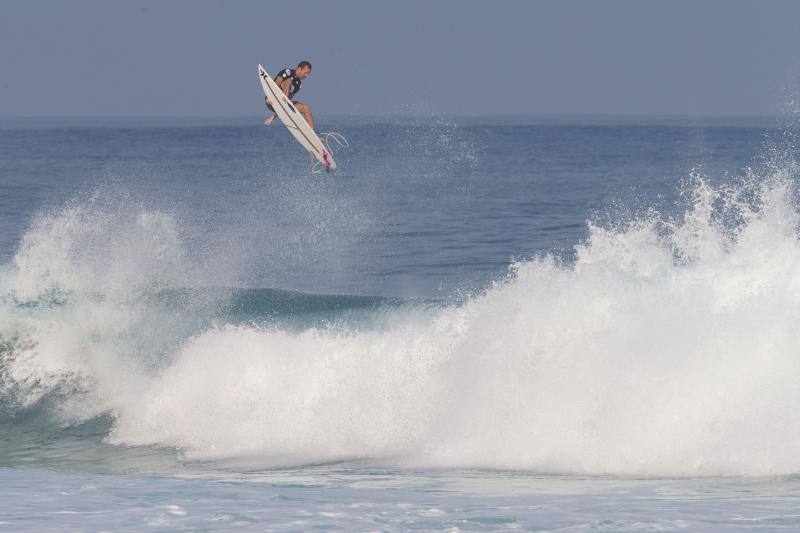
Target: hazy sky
x,y
198,58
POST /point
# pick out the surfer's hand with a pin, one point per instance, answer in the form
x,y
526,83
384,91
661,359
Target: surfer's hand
x,y
267,100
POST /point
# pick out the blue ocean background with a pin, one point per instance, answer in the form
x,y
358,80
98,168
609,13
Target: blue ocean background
x,y
550,322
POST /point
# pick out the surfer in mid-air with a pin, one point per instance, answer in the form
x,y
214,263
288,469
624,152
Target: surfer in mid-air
x,y
297,116
289,81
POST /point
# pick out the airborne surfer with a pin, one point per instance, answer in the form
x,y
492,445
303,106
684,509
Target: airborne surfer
x,y
297,116
289,81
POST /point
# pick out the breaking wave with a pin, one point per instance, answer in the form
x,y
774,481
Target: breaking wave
x,y
668,347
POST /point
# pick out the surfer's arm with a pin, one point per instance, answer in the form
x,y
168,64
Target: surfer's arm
x,y
286,86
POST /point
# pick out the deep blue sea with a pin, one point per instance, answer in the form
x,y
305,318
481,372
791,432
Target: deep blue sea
x,y
578,323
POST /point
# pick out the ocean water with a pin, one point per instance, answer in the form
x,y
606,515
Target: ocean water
x,y
540,323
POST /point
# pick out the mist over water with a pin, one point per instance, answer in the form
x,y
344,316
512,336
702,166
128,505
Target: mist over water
x,y
661,342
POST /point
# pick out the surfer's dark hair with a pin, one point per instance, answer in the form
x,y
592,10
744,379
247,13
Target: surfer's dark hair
x,y
304,64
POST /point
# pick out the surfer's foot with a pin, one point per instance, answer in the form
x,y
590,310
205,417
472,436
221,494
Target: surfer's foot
x,y
270,120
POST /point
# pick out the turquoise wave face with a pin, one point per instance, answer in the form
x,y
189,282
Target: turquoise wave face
x,y
288,309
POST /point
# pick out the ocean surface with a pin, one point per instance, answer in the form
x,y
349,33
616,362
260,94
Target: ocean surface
x,y
581,323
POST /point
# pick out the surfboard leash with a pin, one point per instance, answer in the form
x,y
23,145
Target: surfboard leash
x,y
326,138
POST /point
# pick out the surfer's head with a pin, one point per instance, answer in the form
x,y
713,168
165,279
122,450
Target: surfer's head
x,y
303,69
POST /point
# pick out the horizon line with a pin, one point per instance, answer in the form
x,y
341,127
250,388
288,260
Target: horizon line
x,y
413,115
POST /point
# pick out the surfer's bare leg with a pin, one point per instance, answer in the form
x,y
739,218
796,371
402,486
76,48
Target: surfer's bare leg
x,y
271,119
306,112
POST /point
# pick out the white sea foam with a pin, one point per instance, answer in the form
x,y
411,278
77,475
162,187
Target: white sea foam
x,y
667,348
86,268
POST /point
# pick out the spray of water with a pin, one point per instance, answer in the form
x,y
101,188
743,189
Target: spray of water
x,y
667,348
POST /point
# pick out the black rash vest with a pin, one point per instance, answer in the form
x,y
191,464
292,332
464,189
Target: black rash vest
x,y
289,74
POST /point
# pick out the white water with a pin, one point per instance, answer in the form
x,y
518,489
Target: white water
x,y
668,348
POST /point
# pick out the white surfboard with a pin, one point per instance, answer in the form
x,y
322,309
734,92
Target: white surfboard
x,y
293,119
